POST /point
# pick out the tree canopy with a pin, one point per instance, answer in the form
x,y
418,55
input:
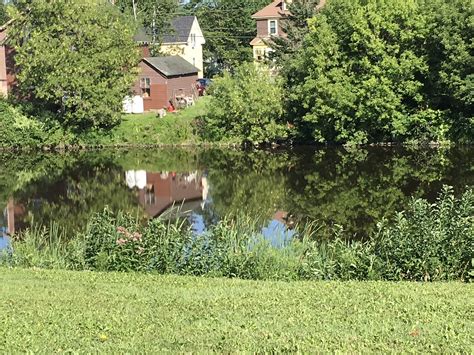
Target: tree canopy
x,y
295,26
76,59
372,71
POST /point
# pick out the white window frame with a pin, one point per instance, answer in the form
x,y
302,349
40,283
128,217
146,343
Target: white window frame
x,y
270,28
145,87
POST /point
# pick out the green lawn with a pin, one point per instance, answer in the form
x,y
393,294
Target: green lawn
x,y
58,311
148,128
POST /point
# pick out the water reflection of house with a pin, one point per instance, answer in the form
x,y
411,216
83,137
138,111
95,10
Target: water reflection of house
x,y
284,218
160,191
7,220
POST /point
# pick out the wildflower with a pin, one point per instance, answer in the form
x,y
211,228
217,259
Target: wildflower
x,y
137,237
121,230
103,337
121,241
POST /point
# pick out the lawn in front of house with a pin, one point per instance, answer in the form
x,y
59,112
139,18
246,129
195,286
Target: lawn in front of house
x,y
149,128
60,311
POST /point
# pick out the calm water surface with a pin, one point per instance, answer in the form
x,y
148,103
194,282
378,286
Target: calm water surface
x,y
350,188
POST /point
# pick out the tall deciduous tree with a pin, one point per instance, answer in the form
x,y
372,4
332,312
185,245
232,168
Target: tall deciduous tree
x,y
372,71
450,49
295,26
3,14
74,58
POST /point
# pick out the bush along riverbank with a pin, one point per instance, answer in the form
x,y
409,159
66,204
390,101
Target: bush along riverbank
x,y
426,242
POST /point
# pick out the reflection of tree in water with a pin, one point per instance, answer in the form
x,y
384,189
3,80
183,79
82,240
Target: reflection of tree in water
x,y
352,188
331,185
251,183
70,196
339,187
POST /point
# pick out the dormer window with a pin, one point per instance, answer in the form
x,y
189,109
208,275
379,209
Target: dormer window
x,y
273,27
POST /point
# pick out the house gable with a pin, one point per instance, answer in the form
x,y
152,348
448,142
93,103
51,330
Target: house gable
x,y
275,10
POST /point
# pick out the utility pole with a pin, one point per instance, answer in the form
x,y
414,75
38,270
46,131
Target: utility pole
x,y
134,5
154,24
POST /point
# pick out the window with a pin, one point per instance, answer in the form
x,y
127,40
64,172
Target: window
x,y
193,39
145,87
272,27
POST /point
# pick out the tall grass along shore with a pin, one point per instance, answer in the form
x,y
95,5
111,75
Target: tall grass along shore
x,y
427,242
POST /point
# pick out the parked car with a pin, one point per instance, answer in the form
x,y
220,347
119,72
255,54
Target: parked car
x,y
202,85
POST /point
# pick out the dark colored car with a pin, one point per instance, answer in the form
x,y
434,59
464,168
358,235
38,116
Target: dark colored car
x,y
203,85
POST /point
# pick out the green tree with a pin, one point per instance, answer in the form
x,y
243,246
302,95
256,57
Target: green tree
x,y
245,106
228,29
3,14
359,77
372,71
450,49
153,15
76,59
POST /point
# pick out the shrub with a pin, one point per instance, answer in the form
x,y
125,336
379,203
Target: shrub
x,y
45,248
121,243
18,130
429,241
246,106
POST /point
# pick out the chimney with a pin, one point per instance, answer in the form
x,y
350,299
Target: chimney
x,y
285,3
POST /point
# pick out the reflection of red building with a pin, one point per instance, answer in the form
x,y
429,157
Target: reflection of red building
x,y
284,217
10,212
165,190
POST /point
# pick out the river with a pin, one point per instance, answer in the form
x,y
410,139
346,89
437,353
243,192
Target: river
x,y
351,188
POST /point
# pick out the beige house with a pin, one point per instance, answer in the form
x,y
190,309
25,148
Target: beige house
x,y
269,25
269,20
186,40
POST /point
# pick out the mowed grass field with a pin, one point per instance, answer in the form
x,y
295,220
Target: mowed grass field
x,y
148,128
59,311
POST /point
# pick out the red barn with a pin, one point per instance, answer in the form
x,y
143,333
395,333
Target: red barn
x,y
165,79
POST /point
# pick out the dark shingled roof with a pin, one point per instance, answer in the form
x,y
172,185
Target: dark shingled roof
x,y
171,66
180,31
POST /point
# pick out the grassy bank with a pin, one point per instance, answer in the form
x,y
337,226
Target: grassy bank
x,y
21,132
58,311
148,128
